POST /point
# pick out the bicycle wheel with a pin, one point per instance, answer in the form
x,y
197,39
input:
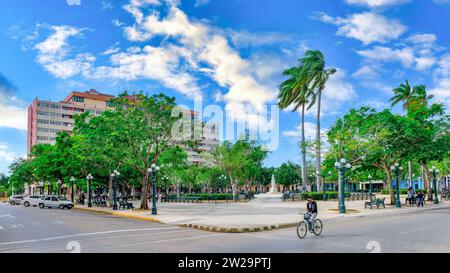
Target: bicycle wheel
x,y
302,229
317,227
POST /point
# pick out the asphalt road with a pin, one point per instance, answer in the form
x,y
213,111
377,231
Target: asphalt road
x,y
62,231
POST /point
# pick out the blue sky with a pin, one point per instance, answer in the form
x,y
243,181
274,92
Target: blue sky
x,y
230,53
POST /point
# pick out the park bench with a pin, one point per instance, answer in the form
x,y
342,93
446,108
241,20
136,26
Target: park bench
x,y
241,197
375,202
412,203
125,205
445,195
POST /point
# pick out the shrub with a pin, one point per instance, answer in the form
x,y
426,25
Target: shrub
x,y
205,196
405,191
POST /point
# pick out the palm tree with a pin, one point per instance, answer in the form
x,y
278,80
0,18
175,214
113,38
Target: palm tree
x,y
305,86
290,94
402,93
410,96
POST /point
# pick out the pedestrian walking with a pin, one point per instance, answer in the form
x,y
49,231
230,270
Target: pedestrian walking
x,y
410,196
82,198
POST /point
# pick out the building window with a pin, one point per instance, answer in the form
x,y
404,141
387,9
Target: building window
x,y
53,114
78,99
53,122
43,113
43,121
43,138
55,106
43,105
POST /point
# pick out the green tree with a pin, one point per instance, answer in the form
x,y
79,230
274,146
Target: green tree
x,y
287,174
308,82
146,123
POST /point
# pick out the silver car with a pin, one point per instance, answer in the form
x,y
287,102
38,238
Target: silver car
x,y
16,199
32,200
53,201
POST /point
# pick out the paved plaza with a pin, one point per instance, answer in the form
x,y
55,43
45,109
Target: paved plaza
x,y
265,211
61,231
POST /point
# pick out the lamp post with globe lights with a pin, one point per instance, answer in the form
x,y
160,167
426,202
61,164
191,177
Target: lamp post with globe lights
x,y
72,191
114,176
153,170
342,167
435,171
88,181
397,169
370,184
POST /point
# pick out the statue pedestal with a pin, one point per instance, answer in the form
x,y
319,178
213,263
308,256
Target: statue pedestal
x,y
273,186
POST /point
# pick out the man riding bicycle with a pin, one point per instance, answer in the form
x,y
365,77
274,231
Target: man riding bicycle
x,y
311,213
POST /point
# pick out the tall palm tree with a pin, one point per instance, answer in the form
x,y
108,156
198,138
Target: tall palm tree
x,y
402,93
290,94
410,96
307,83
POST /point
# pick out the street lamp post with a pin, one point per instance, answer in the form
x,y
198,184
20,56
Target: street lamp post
x,y
435,172
153,171
370,185
165,178
72,182
114,176
342,167
325,196
59,186
397,169
88,185
222,179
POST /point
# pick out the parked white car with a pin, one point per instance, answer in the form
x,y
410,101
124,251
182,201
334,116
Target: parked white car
x,y
53,201
16,199
32,200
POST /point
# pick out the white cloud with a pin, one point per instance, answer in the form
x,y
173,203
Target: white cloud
x,y
200,3
338,91
158,63
112,50
209,52
54,51
13,112
367,27
310,131
6,155
441,77
366,72
376,104
73,2
407,56
377,3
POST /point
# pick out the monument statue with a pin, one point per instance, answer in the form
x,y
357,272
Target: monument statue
x,y
273,185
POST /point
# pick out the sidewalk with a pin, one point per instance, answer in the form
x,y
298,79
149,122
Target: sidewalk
x,y
262,213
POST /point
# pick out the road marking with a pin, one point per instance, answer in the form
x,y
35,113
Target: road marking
x,y
57,223
1,227
166,240
414,230
9,216
83,234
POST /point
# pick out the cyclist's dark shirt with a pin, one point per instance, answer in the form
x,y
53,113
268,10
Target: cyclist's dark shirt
x,y
312,207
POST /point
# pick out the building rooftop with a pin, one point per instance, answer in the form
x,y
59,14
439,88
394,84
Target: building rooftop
x,y
91,94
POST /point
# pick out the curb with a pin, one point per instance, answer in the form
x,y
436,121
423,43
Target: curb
x,y
342,218
237,230
120,214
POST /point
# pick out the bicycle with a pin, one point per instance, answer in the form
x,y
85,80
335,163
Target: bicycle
x,y
305,225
